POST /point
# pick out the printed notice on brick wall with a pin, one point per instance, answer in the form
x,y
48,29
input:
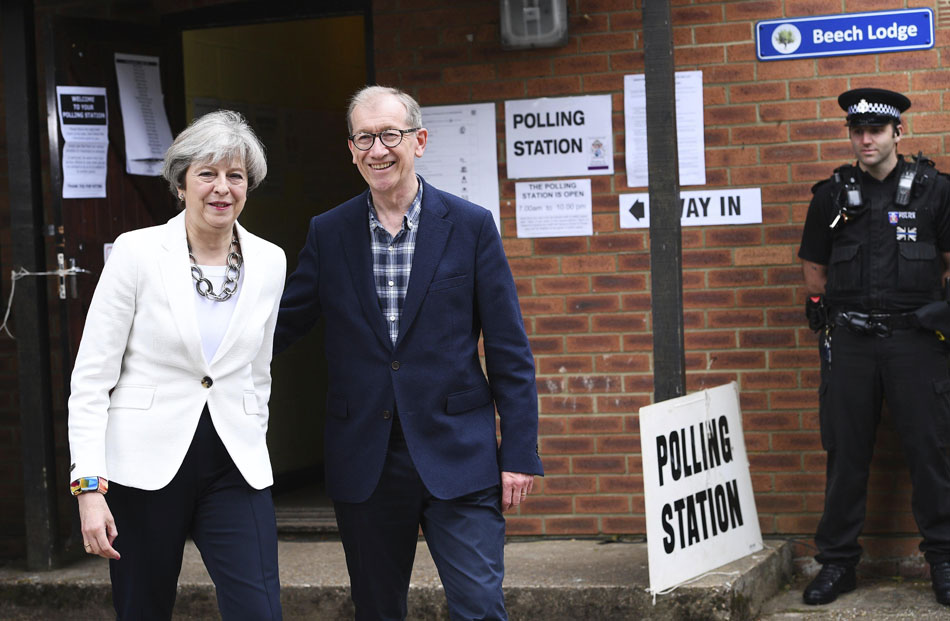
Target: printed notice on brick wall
x,y
461,154
697,489
84,123
554,208
698,208
559,137
690,131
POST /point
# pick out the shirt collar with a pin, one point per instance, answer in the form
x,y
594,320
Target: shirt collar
x,y
409,221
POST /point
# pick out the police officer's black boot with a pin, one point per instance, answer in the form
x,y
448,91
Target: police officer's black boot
x,y
940,580
832,580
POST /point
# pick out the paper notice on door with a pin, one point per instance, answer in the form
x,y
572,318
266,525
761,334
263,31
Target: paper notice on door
x,y
147,133
84,123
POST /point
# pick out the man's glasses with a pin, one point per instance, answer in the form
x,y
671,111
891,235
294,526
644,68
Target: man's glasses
x,y
389,137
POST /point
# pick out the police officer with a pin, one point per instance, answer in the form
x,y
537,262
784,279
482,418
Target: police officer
x,y
875,249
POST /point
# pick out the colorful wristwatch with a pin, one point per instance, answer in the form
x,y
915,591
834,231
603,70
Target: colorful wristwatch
x,y
89,484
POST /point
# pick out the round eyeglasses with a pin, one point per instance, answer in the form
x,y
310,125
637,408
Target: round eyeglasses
x,y
389,137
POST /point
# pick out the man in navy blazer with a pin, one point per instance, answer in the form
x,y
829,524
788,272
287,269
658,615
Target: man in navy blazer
x,y
407,279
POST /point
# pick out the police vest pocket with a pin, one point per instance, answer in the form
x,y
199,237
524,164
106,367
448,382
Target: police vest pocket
x,y
336,406
132,397
917,268
844,268
466,400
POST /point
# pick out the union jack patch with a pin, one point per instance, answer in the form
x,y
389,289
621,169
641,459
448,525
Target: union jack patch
x,y
892,217
908,233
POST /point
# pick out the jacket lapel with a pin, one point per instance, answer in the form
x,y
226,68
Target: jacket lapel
x,y
254,274
430,243
359,260
176,278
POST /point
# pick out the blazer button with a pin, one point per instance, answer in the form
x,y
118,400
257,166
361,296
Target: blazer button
x,y
207,381
395,365
387,414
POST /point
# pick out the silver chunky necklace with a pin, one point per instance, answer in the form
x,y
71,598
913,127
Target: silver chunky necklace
x,y
232,275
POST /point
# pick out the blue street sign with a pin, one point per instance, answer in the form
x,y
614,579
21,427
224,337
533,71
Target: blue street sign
x,y
837,35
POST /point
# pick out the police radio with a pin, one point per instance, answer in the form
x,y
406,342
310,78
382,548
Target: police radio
x,y
906,183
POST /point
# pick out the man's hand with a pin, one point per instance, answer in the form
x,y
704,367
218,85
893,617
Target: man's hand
x,y
98,526
515,487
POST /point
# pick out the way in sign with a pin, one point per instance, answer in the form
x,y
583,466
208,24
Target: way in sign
x,y
698,206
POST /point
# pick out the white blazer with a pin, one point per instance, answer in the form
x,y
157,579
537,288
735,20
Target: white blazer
x,y
137,392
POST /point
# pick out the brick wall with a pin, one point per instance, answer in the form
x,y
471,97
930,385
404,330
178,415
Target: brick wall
x,y
586,300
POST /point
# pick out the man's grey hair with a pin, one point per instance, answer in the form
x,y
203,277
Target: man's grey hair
x,y
218,136
369,93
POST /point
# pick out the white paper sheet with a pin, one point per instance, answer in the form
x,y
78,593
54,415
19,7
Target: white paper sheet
x,y
461,154
84,122
690,139
147,133
558,208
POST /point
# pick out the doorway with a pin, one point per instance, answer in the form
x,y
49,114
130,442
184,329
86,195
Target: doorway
x,y
292,81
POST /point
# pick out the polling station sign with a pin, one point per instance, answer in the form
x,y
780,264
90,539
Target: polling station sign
x,y
559,137
838,35
697,490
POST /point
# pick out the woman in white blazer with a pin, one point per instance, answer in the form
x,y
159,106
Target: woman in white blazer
x,y
168,405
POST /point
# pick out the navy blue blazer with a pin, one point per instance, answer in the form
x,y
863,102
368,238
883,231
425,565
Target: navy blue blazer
x,y
460,288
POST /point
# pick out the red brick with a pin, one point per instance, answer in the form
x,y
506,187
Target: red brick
x,y
591,263
548,325
562,284
567,445
598,464
593,343
592,303
570,526
595,424
602,504
574,484
565,364
567,405
520,526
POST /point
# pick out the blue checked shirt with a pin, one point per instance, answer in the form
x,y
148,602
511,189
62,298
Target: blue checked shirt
x,y
392,260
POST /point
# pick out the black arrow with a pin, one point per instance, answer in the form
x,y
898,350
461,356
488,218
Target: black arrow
x,y
637,210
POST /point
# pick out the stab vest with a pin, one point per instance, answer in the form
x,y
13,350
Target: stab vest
x,y
886,258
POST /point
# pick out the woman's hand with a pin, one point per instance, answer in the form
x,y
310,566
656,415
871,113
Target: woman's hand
x,y
98,526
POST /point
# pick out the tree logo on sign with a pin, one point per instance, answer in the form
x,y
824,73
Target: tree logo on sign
x,y
786,38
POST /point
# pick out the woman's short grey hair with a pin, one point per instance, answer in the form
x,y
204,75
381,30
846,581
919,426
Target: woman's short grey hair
x,y
369,93
218,136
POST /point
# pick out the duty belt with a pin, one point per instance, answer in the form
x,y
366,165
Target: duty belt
x,y
875,323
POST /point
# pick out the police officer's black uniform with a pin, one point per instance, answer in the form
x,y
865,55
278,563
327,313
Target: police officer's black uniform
x,y
884,262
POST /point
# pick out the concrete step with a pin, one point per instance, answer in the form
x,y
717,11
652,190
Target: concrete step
x,y
550,580
877,598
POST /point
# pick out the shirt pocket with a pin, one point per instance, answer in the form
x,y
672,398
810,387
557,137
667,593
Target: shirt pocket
x,y
132,396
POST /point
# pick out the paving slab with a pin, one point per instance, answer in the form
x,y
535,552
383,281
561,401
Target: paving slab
x,y
547,579
879,598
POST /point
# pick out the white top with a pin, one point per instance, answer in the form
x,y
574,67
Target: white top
x,y
214,317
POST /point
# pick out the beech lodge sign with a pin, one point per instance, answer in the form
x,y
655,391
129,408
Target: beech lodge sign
x,y
837,35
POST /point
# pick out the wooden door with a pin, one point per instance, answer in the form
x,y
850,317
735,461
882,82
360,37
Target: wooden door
x,y
82,53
